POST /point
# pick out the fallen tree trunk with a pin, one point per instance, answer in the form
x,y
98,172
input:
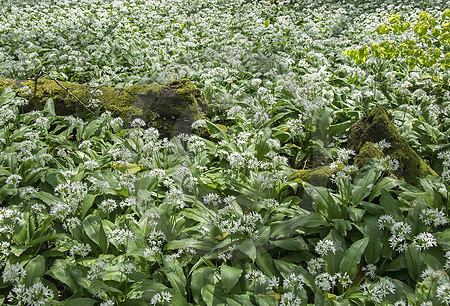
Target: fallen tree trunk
x,y
171,108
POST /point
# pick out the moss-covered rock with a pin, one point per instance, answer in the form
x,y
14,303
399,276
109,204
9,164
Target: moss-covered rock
x,y
171,108
377,126
317,176
367,152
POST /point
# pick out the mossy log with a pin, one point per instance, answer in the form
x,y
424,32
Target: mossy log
x,y
317,176
171,108
377,126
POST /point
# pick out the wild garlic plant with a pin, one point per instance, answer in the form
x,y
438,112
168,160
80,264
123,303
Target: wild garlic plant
x,y
93,212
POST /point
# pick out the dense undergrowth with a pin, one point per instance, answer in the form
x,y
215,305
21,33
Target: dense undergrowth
x,y
93,213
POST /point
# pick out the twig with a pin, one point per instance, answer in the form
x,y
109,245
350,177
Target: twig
x,y
38,74
41,72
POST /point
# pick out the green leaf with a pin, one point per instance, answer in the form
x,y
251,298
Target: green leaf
x,y
175,275
265,262
200,278
248,248
374,247
230,276
80,301
324,202
443,239
35,269
60,272
94,230
99,284
291,244
86,204
42,239
414,262
366,176
390,205
239,300
386,183
203,245
213,295
49,108
352,256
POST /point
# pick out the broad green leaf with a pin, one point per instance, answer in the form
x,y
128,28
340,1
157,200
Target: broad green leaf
x,y
324,202
230,276
99,284
239,300
352,256
175,275
35,269
415,262
213,295
443,239
265,262
49,108
390,205
374,247
365,177
291,244
386,183
59,271
80,301
200,278
248,248
203,245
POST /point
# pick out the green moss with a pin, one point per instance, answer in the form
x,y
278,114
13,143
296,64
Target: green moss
x,y
318,176
377,126
367,152
172,108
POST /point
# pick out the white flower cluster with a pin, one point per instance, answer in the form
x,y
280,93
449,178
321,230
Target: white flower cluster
x,y
326,282
378,291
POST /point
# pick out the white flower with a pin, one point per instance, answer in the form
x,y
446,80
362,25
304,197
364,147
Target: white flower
x,y
127,268
162,297
379,290
201,123
212,199
443,293
97,271
315,265
344,155
325,281
121,236
108,205
424,241
289,298
324,246
13,273
293,281
138,123
13,179
37,294
388,164
383,144
433,217
81,249
254,275
84,145
343,279
370,271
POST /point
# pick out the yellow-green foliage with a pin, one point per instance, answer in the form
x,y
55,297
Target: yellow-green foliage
x,y
429,32
377,126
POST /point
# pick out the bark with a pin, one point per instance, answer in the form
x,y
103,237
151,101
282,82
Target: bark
x,y
171,108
